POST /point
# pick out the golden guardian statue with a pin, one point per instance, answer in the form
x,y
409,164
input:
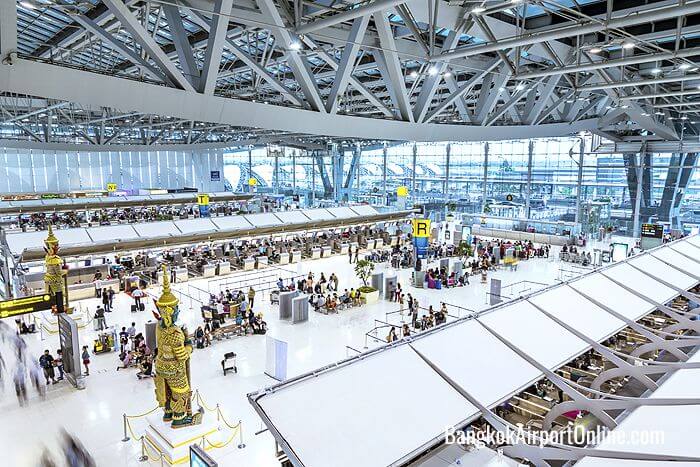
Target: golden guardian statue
x,y
172,379
53,265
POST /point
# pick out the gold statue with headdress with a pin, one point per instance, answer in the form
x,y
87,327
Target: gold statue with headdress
x,y
53,275
173,389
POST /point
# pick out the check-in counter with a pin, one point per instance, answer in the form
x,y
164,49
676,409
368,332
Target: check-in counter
x,y
152,260
261,262
344,248
248,264
109,283
209,270
80,291
371,243
284,257
379,243
315,252
159,276
181,274
224,267
295,256
325,251
394,240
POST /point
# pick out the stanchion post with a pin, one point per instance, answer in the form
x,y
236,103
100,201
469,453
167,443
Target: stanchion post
x,y
126,435
218,413
241,444
144,456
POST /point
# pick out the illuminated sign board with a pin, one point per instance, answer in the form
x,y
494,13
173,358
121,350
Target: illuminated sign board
x,y
20,306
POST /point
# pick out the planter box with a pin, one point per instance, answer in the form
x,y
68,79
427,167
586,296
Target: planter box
x,y
370,297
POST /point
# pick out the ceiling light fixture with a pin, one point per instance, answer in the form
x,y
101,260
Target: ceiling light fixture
x,y
655,71
628,45
595,50
27,4
414,74
478,9
658,113
433,70
520,87
684,66
447,74
296,45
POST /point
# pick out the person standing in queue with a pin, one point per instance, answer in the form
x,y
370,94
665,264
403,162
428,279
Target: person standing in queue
x,y
350,254
86,360
105,301
251,296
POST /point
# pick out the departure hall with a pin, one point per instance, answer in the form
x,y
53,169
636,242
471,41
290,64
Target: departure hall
x,y
344,233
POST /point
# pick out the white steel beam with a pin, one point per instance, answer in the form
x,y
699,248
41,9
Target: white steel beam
x,y
296,60
55,82
215,46
182,44
431,83
392,73
347,62
140,35
108,40
333,63
203,23
365,10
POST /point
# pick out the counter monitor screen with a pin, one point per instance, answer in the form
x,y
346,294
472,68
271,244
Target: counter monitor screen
x,y
652,230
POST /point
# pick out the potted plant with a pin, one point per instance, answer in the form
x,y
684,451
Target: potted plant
x,y
363,270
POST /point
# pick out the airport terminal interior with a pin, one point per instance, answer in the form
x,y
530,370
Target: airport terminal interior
x,y
349,233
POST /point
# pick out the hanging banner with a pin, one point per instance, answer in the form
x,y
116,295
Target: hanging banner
x,y
203,202
421,237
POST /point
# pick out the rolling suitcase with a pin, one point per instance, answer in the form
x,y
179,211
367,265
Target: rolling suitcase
x,y
133,308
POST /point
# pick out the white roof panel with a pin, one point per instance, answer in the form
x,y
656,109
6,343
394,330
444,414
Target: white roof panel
x,y
499,374
372,414
318,214
670,255
611,295
18,242
263,219
342,212
364,210
156,229
695,240
112,233
194,226
292,217
657,268
579,313
637,280
534,333
231,223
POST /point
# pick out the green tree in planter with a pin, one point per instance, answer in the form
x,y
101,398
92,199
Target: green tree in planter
x,y
464,249
363,270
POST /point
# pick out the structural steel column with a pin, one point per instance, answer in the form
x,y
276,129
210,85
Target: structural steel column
x,y
448,149
413,175
579,180
277,172
486,172
384,154
530,150
313,179
294,172
638,199
250,163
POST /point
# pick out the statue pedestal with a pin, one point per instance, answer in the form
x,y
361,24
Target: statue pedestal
x,y
174,444
49,321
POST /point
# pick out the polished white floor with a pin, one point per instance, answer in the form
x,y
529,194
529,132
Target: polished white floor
x,y
95,414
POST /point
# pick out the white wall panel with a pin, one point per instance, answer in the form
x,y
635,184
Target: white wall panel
x,y
23,170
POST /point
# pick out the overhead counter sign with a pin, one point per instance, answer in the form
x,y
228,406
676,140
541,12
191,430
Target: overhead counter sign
x,y
20,306
421,235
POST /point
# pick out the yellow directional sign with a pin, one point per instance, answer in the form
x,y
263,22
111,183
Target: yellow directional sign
x,y
111,187
402,191
20,306
421,228
252,181
203,200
